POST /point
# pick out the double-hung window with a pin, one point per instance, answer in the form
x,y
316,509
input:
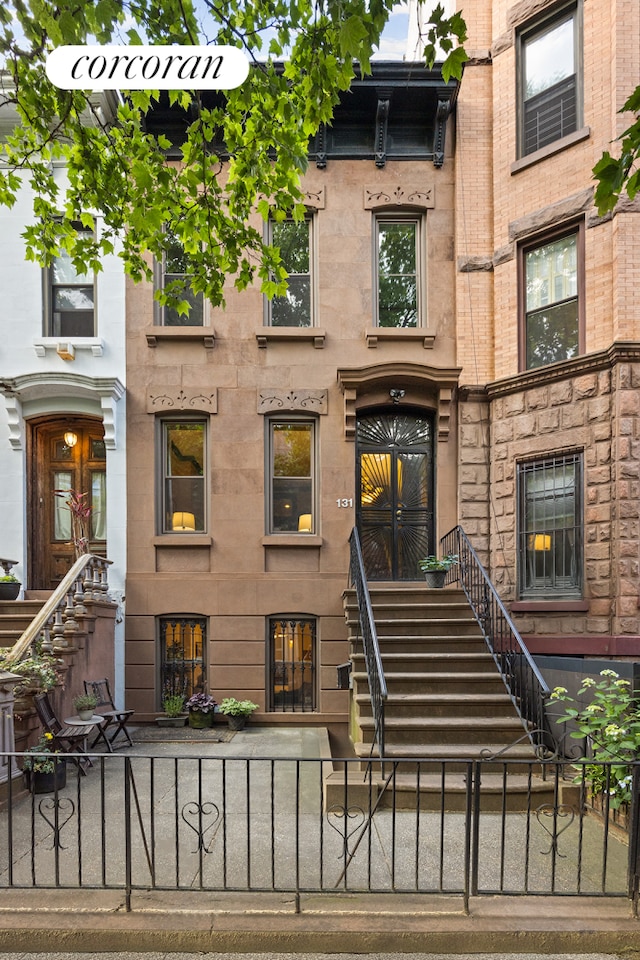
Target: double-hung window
x,y
293,238
291,452
552,300
398,293
184,460
172,274
549,79
70,296
550,525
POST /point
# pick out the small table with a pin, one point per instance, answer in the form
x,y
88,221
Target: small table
x,y
95,721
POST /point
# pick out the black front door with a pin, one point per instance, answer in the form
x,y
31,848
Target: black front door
x,y
395,501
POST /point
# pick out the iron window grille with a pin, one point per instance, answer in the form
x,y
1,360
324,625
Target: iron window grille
x,y
182,652
550,528
292,664
550,80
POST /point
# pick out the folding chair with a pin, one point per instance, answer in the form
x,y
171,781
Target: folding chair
x,y
66,738
113,717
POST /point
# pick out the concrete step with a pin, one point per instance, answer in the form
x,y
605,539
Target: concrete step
x,y
404,731
433,705
435,663
415,681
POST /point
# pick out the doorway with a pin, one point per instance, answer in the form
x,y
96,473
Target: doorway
x,y
394,454
66,454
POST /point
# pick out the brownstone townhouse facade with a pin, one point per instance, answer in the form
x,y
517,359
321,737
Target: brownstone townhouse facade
x,y
459,344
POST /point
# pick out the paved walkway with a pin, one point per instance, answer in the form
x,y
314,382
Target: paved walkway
x,y
199,920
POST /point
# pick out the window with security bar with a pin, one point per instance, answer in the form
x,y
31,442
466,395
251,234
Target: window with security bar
x,y
550,79
292,664
550,528
182,650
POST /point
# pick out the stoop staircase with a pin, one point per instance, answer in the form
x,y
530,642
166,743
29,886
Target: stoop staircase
x,y
446,697
15,617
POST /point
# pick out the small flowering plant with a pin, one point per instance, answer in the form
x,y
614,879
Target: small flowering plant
x,y
41,758
201,703
611,725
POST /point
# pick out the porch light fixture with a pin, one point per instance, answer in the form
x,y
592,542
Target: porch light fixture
x,y
396,395
70,438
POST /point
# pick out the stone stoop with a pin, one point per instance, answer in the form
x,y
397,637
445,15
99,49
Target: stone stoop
x,y
15,617
446,698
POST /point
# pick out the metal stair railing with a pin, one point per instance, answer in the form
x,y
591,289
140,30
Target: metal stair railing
x,y
520,674
373,660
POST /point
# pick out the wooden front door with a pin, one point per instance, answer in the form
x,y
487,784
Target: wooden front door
x,y
59,465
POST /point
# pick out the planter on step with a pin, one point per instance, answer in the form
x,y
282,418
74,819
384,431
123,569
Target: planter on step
x,y
435,578
199,720
9,590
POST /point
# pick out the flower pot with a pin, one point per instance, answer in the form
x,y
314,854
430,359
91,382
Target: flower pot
x,y
172,721
236,721
9,590
199,720
85,714
38,781
435,578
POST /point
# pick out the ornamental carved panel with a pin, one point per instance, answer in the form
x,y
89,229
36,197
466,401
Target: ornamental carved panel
x,y
181,399
418,198
307,401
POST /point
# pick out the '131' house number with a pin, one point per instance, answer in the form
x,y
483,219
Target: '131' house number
x,y
345,501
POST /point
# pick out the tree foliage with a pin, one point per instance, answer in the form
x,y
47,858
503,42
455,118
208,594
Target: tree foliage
x,y
616,175
115,167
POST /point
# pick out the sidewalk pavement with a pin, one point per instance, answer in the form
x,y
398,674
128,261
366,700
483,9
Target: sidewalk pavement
x,y
199,921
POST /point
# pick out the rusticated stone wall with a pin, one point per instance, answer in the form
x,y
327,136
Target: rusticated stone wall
x,y
590,405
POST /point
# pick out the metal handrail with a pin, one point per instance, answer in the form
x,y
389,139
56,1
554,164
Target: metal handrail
x,y
74,588
371,648
520,674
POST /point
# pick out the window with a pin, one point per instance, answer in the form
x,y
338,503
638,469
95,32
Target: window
x,y
70,296
172,275
295,308
291,461
549,59
397,274
182,645
292,645
183,481
550,527
553,325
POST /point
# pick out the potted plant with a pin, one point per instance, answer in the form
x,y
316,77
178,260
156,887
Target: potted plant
x,y
173,706
84,705
201,707
44,769
9,587
40,673
237,711
435,570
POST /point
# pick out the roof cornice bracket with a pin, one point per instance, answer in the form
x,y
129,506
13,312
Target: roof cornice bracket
x,y
382,120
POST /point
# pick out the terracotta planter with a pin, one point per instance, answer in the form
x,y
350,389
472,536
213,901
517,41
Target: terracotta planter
x,y
199,720
37,781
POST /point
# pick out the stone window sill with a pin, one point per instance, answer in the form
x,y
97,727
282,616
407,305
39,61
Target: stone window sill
x,y
550,606
375,335
292,540
66,347
183,540
205,335
313,335
552,148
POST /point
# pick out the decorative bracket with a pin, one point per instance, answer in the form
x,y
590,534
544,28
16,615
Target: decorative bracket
x,y
321,147
382,120
442,115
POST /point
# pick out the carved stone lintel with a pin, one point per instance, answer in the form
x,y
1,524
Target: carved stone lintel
x,y
418,198
314,199
178,399
308,401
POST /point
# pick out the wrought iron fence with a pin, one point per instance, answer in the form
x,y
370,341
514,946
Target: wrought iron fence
x,y
472,828
522,677
373,660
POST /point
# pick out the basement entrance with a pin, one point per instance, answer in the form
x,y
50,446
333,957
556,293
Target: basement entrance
x,y
394,456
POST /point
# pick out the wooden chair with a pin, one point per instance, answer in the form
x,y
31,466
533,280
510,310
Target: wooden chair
x,y
66,739
106,708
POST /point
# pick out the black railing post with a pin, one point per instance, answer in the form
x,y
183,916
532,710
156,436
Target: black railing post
x,y
633,869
